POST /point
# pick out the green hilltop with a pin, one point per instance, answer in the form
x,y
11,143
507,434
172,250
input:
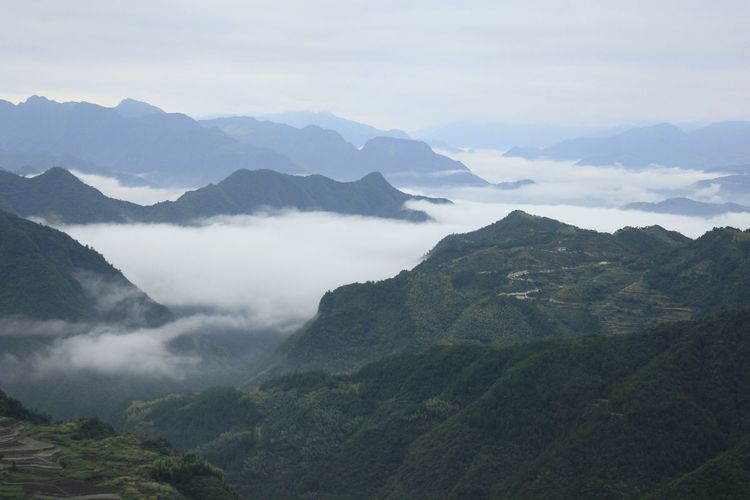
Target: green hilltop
x,y
526,277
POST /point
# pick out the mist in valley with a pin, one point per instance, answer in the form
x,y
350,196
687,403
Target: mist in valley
x,y
239,285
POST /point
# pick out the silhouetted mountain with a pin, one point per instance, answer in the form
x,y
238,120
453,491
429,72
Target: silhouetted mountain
x,y
353,132
658,414
712,147
686,206
245,192
314,149
165,146
401,161
522,278
130,108
60,197
48,275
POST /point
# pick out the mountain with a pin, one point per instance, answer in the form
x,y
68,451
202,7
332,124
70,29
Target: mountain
x,y
245,192
401,160
521,278
657,414
313,148
45,275
713,147
169,147
734,187
60,197
86,459
353,132
130,108
686,206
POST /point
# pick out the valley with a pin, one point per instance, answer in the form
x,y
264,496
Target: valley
x,y
374,250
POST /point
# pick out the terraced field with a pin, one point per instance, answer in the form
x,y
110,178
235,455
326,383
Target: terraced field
x,y
61,461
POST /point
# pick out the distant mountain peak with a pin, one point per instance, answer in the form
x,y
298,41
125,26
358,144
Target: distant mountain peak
x,y
375,178
58,172
37,100
132,108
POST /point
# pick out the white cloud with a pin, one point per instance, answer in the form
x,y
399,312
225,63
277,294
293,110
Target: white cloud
x,y
274,269
560,182
142,195
113,350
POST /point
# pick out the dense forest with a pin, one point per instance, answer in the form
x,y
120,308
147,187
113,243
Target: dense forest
x,y
656,414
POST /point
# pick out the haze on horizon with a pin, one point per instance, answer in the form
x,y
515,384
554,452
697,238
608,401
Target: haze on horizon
x,y
579,63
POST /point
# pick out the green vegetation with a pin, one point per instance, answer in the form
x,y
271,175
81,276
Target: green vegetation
x,y
192,476
46,274
527,277
191,419
660,413
86,458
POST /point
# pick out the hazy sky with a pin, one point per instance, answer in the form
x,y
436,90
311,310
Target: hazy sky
x,y
391,63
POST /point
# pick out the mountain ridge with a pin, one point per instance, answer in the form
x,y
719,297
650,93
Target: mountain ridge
x,y
712,147
322,151
60,197
521,278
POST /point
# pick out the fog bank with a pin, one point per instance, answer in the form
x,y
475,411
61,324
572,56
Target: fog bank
x,y
273,269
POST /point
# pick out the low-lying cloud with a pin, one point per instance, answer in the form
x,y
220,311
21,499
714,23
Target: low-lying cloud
x,y
113,349
273,270
561,182
142,195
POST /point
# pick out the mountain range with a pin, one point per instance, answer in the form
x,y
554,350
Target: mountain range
x,y
719,146
162,146
60,197
354,132
401,160
139,139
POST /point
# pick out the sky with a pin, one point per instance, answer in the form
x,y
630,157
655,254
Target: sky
x,y
393,64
